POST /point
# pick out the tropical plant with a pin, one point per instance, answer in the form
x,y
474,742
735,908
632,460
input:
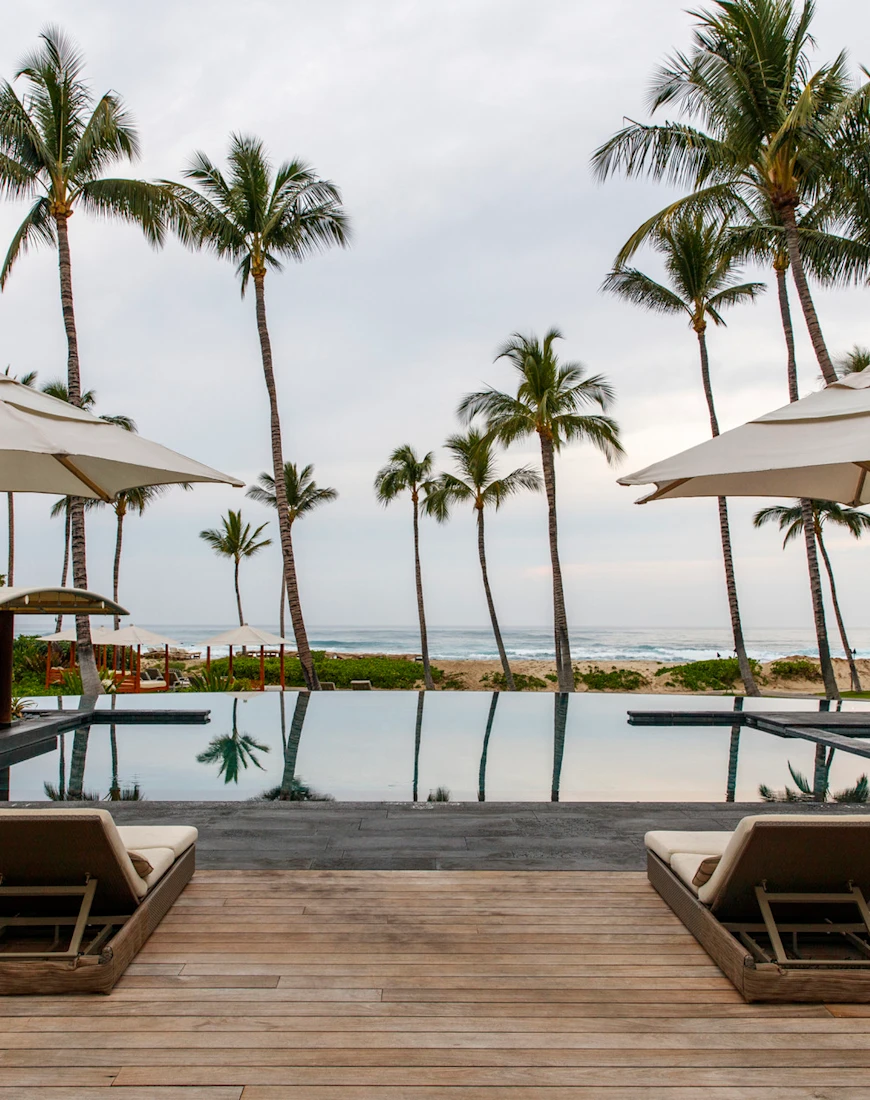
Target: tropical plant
x,y
770,132
406,473
234,539
703,279
476,483
29,380
254,217
714,675
551,402
20,706
232,751
790,519
852,361
822,792
303,496
211,679
56,143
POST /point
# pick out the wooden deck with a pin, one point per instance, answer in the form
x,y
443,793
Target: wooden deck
x,y
343,985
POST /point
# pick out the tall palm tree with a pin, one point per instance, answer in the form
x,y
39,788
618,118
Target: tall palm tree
x,y
405,472
29,380
64,507
55,144
303,496
235,539
790,519
703,281
477,484
550,402
256,216
769,126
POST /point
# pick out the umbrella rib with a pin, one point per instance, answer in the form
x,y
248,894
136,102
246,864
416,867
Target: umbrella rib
x,y
68,463
662,489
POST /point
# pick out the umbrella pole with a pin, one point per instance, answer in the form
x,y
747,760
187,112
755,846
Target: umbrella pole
x,y
282,668
138,668
48,665
7,637
262,670
166,670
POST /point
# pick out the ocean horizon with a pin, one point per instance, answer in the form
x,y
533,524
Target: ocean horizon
x,y
522,643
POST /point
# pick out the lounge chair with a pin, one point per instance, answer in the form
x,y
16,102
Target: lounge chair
x,y
779,904
79,896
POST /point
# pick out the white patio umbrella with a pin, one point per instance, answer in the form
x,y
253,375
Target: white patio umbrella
x,y
49,446
71,637
245,636
136,637
817,448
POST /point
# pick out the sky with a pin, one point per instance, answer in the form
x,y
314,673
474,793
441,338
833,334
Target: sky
x,y
460,134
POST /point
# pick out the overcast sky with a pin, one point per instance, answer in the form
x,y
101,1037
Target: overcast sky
x,y
460,134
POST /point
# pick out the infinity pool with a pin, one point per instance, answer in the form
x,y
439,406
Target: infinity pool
x,y
399,746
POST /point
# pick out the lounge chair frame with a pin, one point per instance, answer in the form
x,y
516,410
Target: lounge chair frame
x,y
107,956
757,976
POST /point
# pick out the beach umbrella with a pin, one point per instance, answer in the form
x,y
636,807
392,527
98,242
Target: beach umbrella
x,y
68,636
40,601
248,636
816,448
50,446
137,636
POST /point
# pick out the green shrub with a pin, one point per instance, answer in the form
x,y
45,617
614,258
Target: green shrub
x,y
796,669
213,679
617,679
384,672
717,675
521,681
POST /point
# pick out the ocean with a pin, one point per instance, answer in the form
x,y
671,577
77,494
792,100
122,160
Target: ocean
x,y
525,643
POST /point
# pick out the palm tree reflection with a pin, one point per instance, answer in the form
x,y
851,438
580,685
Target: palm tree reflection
x,y
560,718
418,731
233,751
481,778
733,753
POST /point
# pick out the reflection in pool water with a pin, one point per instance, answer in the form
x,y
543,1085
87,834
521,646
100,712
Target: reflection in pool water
x,y
401,746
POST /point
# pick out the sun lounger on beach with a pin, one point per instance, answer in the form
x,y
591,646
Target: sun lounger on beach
x,y
779,904
80,896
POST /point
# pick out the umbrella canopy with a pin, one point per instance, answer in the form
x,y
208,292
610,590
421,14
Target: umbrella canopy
x,y
818,447
57,601
49,446
133,635
246,635
98,635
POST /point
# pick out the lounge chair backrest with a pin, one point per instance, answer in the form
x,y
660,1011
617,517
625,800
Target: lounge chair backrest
x,y
814,853
60,848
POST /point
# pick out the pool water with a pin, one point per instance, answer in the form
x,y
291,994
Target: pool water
x,y
401,746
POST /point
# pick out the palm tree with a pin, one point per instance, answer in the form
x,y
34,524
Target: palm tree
x,y
853,361
232,751
560,721
772,126
550,402
64,507
55,145
418,740
791,521
291,749
255,217
477,483
235,539
405,472
703,281
303,496
28,380
484,752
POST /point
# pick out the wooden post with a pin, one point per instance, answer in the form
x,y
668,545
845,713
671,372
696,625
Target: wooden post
x,y
72,655
7,637
282,668
48,665
166,670
138,668
262,670
208,658
230,670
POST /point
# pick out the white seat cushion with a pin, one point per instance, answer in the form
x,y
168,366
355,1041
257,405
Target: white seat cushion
x,y
666,844
179,838
161,859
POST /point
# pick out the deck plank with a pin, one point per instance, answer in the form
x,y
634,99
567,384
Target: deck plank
x,y
262,985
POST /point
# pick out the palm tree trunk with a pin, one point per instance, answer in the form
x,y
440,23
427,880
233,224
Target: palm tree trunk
x,y
236,564
10,568
58,623
418,736
564,670
481,553
746,675
806,300
91,684
302,647
853,668
421,610
292,751
116,569
787,329
115,790
733,754
830,680
77,762
484,752
560,718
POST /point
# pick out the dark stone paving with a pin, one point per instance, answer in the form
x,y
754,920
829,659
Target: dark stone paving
x,y
474,836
